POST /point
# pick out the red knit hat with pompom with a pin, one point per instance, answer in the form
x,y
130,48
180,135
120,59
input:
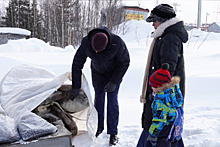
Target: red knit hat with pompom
x,y
160,76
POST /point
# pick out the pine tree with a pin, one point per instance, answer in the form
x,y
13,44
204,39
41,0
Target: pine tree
x,y
9,19
24,12
18,14
35,21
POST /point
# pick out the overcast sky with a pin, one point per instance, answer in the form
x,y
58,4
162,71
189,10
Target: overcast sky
x,y
186,9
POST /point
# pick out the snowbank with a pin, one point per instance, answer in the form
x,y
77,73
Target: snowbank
x,y
135,32
31,45
15,31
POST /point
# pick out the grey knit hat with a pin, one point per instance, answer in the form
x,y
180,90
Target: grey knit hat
x,y
161,13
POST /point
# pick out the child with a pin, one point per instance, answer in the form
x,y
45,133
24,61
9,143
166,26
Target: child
x,y
166,126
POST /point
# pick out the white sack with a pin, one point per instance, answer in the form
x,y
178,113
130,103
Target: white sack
x,y
25,87
8,130
31,126
2,112
78,104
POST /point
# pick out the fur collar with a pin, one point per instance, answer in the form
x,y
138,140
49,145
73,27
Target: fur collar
x,y
160,29
174,80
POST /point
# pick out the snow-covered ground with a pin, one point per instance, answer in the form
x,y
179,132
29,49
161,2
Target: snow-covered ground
x,y
15,31
202,62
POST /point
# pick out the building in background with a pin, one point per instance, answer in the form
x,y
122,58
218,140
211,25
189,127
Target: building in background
x,y
135,13
9,33
123,13
214,27
190,26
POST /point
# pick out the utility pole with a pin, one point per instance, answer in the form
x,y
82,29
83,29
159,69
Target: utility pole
x,y
199,14
207,14
157,2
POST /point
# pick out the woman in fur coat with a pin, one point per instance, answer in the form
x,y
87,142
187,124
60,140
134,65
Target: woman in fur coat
x,y
166,47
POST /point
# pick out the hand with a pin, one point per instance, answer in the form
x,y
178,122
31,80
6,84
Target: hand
x,y
110,87
152,139
142,99
74,93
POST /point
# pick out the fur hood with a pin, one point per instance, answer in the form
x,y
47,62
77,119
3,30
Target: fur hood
x,y
174,80
160,29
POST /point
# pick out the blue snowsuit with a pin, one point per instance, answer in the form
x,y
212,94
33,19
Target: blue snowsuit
x,y
167,122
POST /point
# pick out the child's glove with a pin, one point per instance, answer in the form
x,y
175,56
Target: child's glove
x,y
152,139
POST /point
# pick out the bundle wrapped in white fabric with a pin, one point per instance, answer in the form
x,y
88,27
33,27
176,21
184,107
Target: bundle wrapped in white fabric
x,y
32,126
25,87
8,130
78,104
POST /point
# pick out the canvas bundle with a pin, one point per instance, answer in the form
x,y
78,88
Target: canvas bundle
x,y
58,106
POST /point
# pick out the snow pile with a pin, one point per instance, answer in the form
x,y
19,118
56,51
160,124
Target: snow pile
x,y
35,52
15,31
30,45
135,32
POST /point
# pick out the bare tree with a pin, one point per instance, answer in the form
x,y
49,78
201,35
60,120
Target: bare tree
x,y
83,21
48,17
96,12
89,16
62,23
113,12
34,25
2,11
1,18
56,36
77,22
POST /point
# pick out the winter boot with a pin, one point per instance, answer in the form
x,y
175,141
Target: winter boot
x,y
113,140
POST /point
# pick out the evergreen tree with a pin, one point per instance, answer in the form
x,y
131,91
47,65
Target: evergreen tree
x,y
18,14
9,19
24,13
35,21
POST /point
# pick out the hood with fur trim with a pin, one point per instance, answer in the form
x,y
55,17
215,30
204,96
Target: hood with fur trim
x,y
174,80
170,94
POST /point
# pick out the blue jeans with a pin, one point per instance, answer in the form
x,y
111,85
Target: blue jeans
x,y
112,109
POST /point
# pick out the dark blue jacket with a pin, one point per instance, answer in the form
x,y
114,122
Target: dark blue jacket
x,y
107,65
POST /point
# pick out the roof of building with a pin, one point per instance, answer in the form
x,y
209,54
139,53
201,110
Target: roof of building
x,y
136,7
218,23
11,30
